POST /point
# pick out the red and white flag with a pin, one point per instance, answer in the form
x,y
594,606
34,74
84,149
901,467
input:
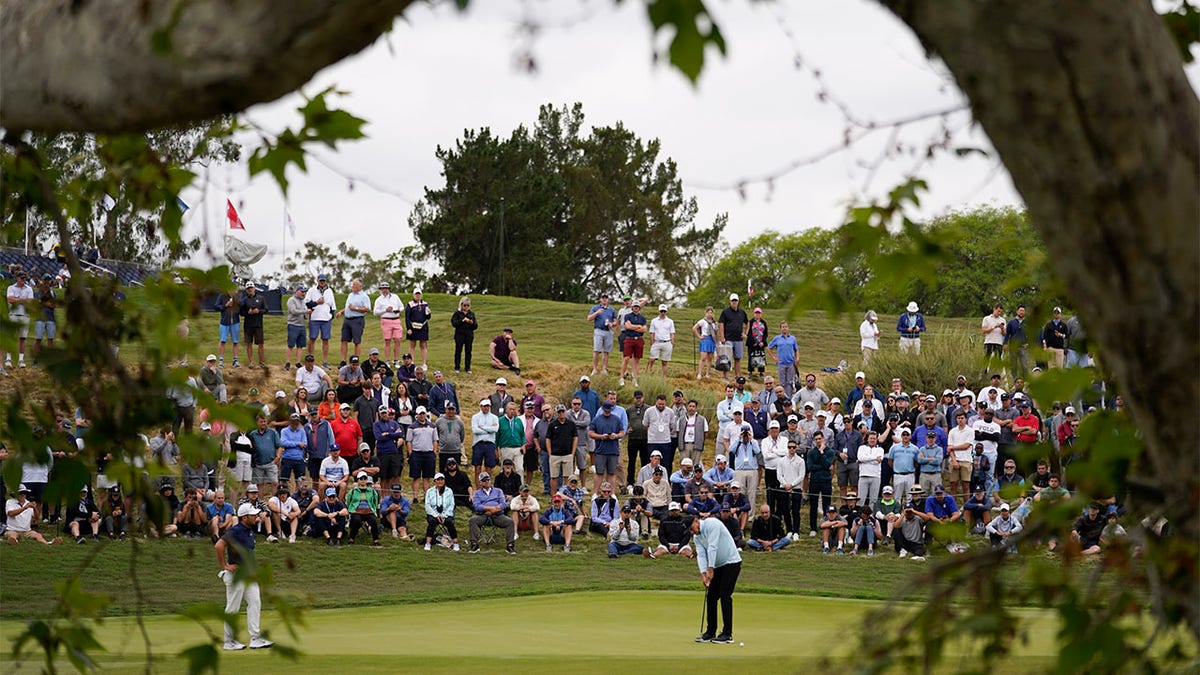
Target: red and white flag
x,y
289,223
235,221
749,289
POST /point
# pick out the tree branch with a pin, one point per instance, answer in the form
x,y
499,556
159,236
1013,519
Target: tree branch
x,y
212,57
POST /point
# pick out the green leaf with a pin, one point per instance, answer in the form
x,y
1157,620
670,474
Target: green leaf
x,y
695,29
201,658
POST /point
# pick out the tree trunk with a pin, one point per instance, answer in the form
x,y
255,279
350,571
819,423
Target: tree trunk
x,y
91,65
1089,107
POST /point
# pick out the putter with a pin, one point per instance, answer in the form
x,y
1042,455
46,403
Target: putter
x,y
704,611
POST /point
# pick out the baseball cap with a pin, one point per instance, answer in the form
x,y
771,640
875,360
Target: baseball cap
x,y
746,427
1004,506
792,418
637,303
361,475
860,374
363,446
930,398
607,405
321,277
852,495
485,476
809,406
584,378
733,296
253,487
560,408
396,487
1070,410
440,475
384,408
330,491
354,358
658,469
656,453
735,485
573,479
450,405
501,380
662,308
374,351
310,357
835,400
294,416
528,404
250,284
420,410
737,411
673,506
626,509
556,498
720,458
938,489
916,489
452,460
867,403
344,406
887,489
524,488
758,310
280,394
416,291
773,424
507,462
687,461
831,509
211,357
247,509
484,401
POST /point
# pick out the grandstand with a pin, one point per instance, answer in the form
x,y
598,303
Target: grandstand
x,y
127,273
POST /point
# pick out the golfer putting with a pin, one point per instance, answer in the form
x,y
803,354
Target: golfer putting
x,y
235,549
720,563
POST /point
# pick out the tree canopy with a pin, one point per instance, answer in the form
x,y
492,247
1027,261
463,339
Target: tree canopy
x,y
552,213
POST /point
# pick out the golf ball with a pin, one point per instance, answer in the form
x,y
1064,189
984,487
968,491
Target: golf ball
x,y
741,644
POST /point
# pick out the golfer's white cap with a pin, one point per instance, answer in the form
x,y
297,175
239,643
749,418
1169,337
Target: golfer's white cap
x,y
247,509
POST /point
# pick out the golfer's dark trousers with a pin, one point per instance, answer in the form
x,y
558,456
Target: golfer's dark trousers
x,y
721,589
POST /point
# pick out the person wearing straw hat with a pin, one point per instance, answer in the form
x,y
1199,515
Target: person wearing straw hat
x,y
910,325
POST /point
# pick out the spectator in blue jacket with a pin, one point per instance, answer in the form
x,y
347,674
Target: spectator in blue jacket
x,y
558,524
910,325
738,504
294,440
441,393
389,439
395,509
319,439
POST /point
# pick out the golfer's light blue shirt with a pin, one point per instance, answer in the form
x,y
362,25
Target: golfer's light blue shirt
x,y
714,545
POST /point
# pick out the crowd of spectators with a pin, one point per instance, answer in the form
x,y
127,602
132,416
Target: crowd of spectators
x,y
328,461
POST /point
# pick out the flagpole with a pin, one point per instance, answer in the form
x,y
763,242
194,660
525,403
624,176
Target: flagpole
x,y
285,228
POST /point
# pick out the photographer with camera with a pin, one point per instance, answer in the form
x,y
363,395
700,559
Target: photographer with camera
x,y
623,535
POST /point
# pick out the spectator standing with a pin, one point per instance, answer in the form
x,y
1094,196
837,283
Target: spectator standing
x,y
484,427
633,328
252,305
450,433
297,314
1054,338
465,324
731,328
910,325
1016,342
354,318
637,439
705,331
662,335
659,421
46,324
388,308
603,318
993,328
20,299
756,344
230,326
868,334
783,349
416,323
1077,344
322,305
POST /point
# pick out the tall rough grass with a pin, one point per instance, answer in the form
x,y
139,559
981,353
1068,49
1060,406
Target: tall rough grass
x,y
941,361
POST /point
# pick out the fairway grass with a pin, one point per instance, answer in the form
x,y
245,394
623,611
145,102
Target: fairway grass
x,y
588,632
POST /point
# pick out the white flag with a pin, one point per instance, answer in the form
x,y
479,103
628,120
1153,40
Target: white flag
x,y
291,225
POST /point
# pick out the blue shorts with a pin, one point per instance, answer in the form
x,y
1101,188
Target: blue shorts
x,y
319,329
231,331
708,345
44,329
422,465
483,453
352,329
736,345
296,336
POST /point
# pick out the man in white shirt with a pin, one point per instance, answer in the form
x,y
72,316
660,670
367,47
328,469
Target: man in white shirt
x,y
960,441
987,433
662,336
20,299
313,379
870,462
322,303
993,327
730,432
354,318
391,322
868,334
20,512
692,428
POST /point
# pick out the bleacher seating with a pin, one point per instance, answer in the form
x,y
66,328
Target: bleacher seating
x,y
127,273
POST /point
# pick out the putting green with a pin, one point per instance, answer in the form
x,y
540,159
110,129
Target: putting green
x,y
590,632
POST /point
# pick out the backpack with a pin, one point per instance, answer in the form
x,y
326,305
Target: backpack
x,y
724,361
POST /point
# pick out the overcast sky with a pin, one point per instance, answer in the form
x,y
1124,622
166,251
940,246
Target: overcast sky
x,y
752,114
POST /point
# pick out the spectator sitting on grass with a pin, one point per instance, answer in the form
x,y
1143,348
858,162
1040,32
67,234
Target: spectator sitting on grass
x,y
83,516
284,512
329,518
738,504
865,531
978,510
557,524
734,525
191,519
833,528
262,522
623,535
395,509
767,533
19,511
999,529
674,536
221,515
525,510
362,502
